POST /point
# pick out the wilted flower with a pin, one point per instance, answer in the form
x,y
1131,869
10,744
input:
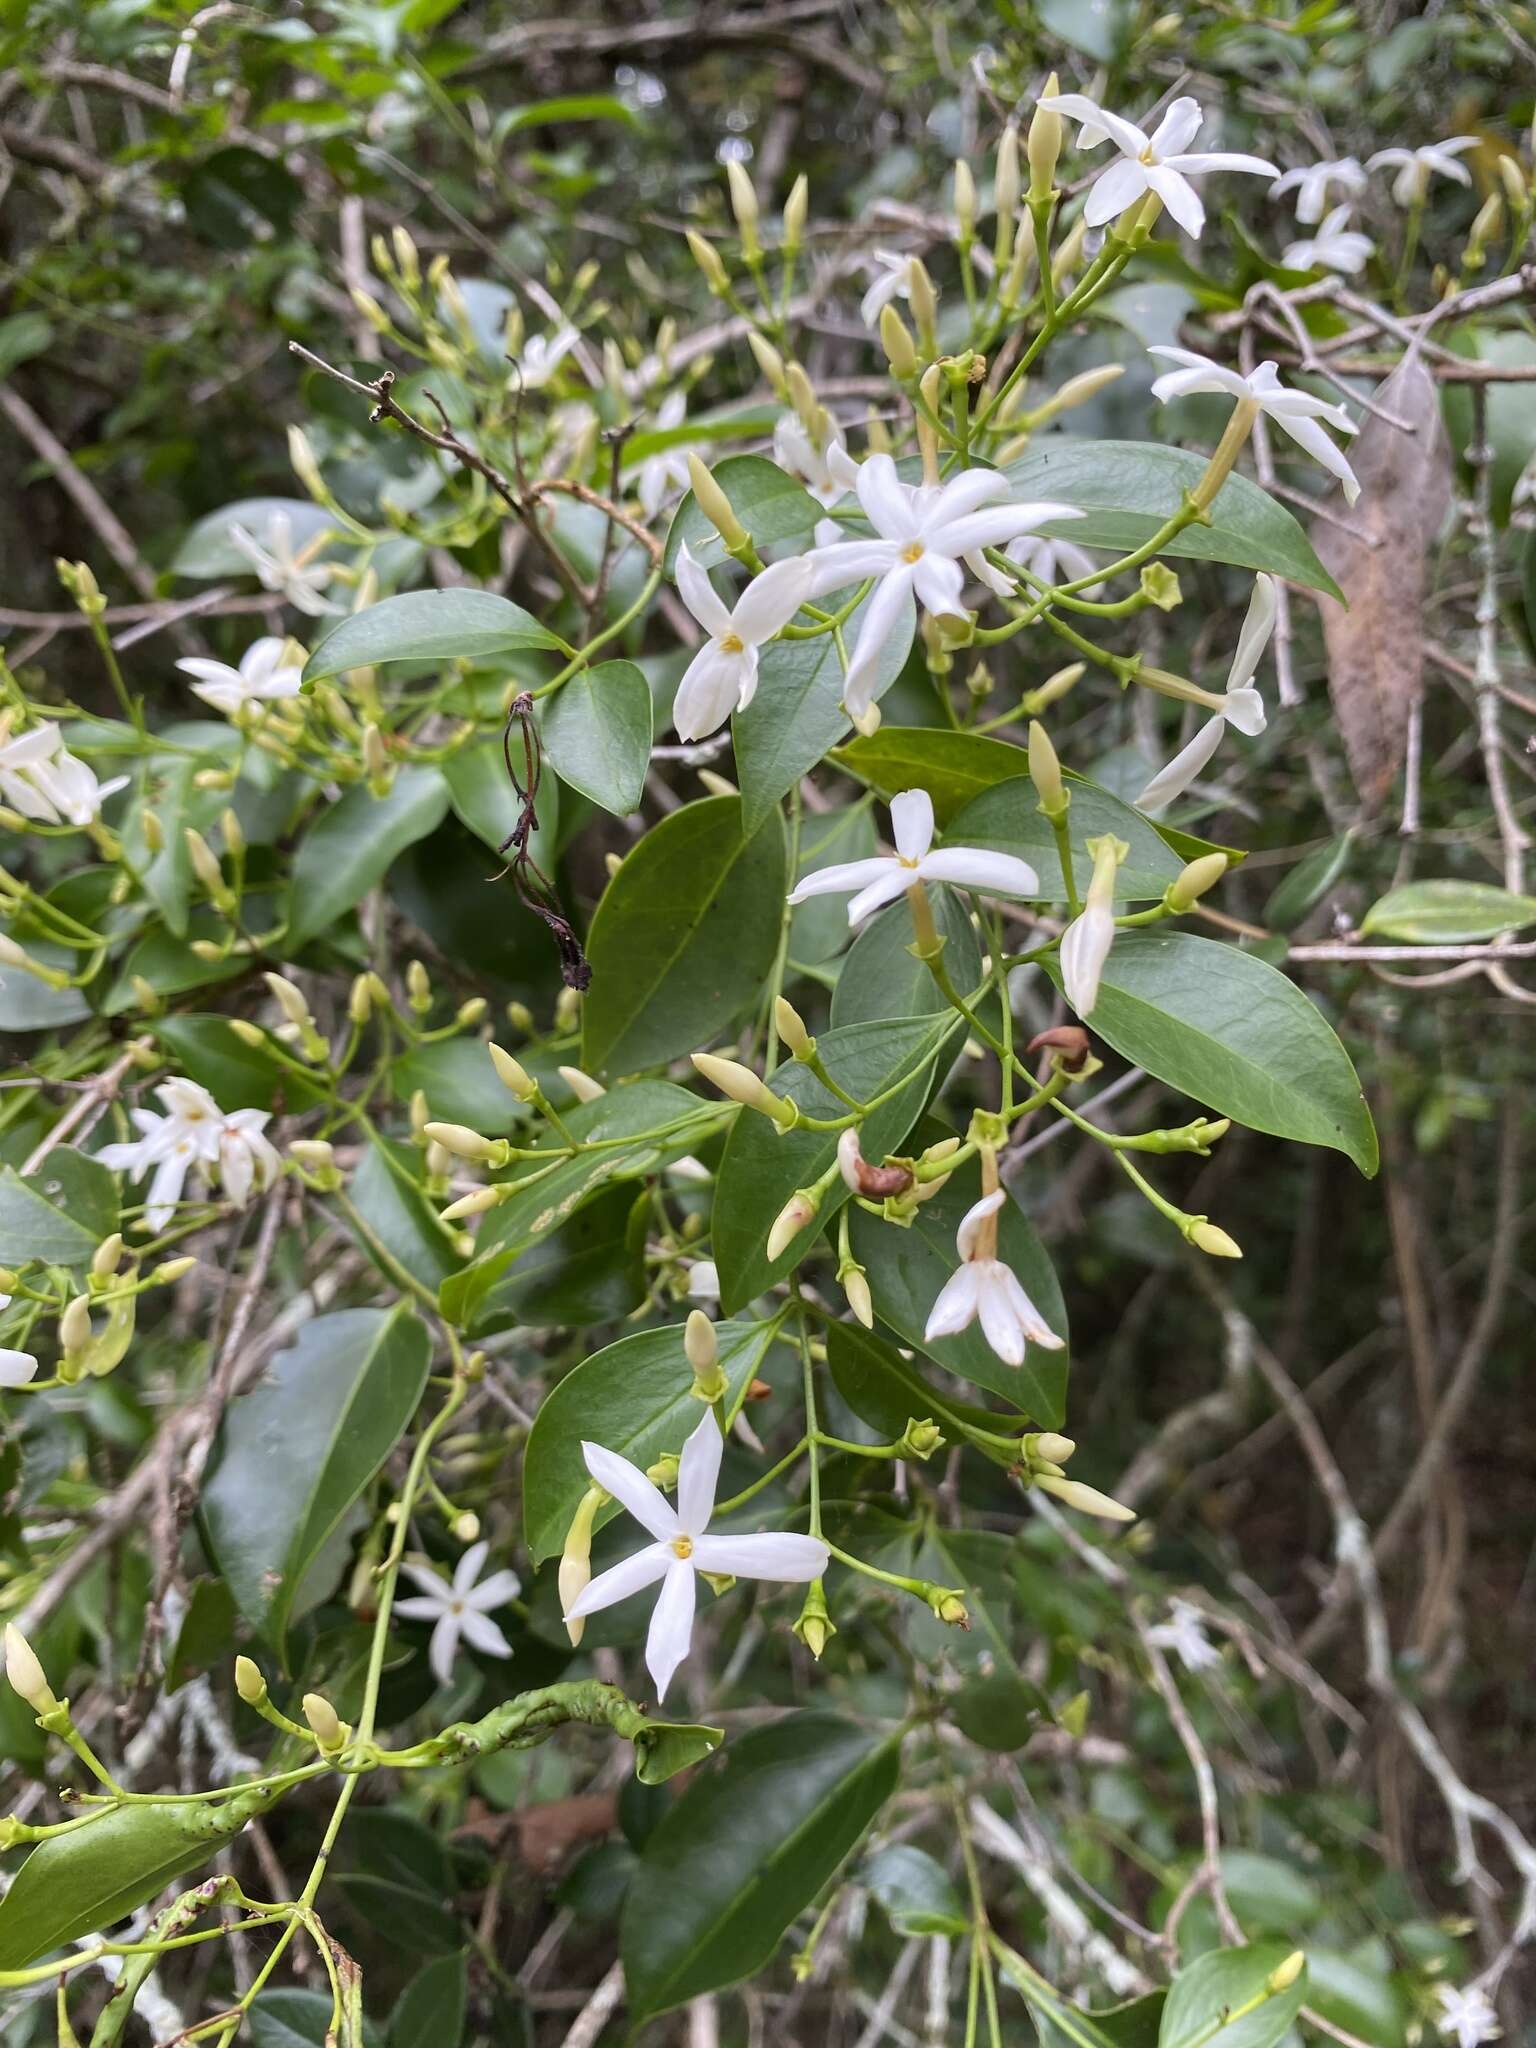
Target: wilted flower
x,y
1313,182
1335,246
885,876
681,1548
722,677
982,1285
1296,413
297,576
1159,162
1415,167
261,676
461,1608
1242,705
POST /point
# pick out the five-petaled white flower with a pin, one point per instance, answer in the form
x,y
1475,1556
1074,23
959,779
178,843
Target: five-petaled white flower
x,y
262,675
892,280
542,355
1313,182
1049,560
462,1608
667,470
1184,1633
16,1367
722,677
42,779
1466,2017
982,1285
794,450
925,532
1296,413
1415,167
1160,162
682,1548
885,876
1087,939
1335,246
1242,707
194,1132
279,567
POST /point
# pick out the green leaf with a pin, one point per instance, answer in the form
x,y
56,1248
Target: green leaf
x,y
430,2011
1132,2025
483,798
296,1452
819,926
1363,2001
997,1710
207,550
882,978
297,2019
1274,1897
27,1004
427,626
596,731
547,1197
797,715
236,1075
350,846
1096,27
633,1397
769,504
400,1220
1308,883
23,336
77,1883
591,1270
684,938
908,1268
1215,1985
1234,1034
915,1892
746,1849
460,1085
887,1391
1447,913
663,1748
1008,819
1128,489
573,107
761,1166
58,1214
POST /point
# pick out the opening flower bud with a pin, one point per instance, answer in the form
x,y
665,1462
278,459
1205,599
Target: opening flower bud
x,y
26,1674
512,1074
249,1683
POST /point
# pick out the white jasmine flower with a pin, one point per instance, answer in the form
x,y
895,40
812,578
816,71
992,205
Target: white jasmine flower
x,y
925,531
667,470
1087,939
892,276
1296,413
41,778
194,1132
1244,707
542,355
462,1608
983,1286
1466,2017
1184,1633
722,677
1159,162
885,876
1335,246
795,451
1417,166
262,675
1313,182
16,1367
1053,561
297,576
681,1548
703,1281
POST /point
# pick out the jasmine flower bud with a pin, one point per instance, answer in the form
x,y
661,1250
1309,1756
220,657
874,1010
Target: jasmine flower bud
x,y
327,1726
249,1683
25,1673
512,1074
464,1143
796,1213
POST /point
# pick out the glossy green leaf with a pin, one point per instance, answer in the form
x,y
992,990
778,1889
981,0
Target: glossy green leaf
x,y
663,1748
632,1397
796,715
1008,819
236,1075
887,1390
295,1453
27,1004
461,624
917,1893
83,1882
684,937
460,1084
908,1268
769,504
430,2010
1216,1985
400,1226
483,798
747,1847
58,1214
1233,1034
1129,489
1366,2002
1267,1895
761,1166
1447,913
1134,2024
590,1270
548,1197
597,734
297,2019
882,978
350,845
1307,884
819,926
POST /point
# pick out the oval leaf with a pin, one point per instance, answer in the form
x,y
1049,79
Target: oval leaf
x,y
350,846
427,626
1201,1998
1447,913
747,1848
597,733
769,504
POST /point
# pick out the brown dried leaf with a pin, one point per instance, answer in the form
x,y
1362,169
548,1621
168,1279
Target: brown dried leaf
x,y
1376,645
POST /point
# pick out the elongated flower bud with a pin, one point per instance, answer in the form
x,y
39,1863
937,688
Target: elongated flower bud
x,y
107,1256
474,1204
791,1028
1050,1445
26,1674
1044,146
796,1213
289,998
896,340
249,1683
855,1284
512,1074
1207,1237
581,1084
770,362
707,258
75,1327
1086,1499
464,1143
744,206
576,1559
1193,881
714,504
1284,1975
965,199
743,1086
796,206
327,1726
1005,183
1045,772
922,296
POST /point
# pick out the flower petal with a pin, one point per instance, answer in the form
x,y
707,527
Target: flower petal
x,y
1178,196
998,524
912,823
894,884
1085,947
968,867
962,494
422,1606
432,1583
671,1630
482,1634
698,1474
1173,779
1197,164
843,877
621,1581
1078,107
1114,190
955,1306
850,561
1311,436
699,594
709,692
889,505
630,1487
972,1220
882,608
1033,1324
1178,128
772,599
468,1568
938,583
443,1649
999,1323
494,1592
17,1368
1258,625
775,1554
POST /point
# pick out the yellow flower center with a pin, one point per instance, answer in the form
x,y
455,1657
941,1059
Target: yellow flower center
x,y
912,552
682,1546
732,643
